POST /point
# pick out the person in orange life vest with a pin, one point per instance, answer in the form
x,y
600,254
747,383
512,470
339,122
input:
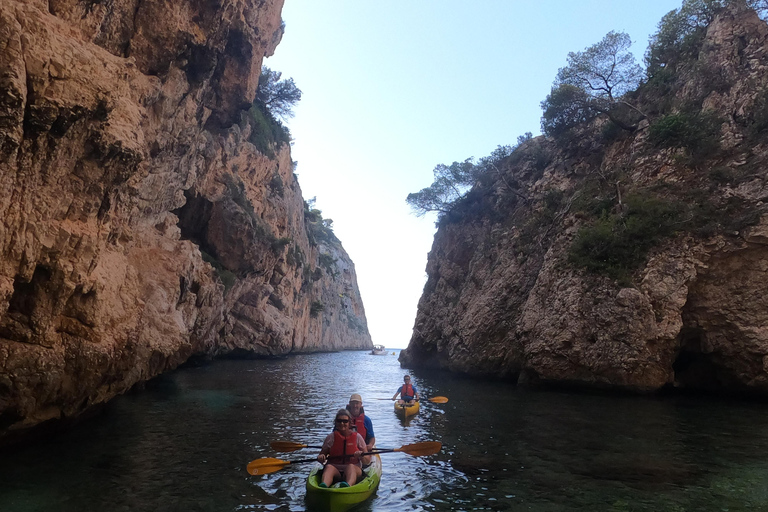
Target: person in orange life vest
x,y
360,422
407,391
343,450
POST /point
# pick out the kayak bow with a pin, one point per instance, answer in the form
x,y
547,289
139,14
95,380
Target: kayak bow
x,y
341,499
407,410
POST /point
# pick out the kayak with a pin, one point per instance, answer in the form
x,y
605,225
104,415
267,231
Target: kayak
x,y
341,499
407,410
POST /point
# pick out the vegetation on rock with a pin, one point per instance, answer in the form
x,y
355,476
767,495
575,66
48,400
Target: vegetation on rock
x,y
275,99
599,95
591,84
318,228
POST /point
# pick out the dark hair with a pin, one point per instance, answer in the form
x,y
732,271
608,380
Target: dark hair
x,y
342,412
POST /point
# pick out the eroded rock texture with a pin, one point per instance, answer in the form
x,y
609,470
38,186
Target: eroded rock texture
x,y
139,224
503,298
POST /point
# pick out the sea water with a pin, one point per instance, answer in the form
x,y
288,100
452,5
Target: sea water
x,y
183,444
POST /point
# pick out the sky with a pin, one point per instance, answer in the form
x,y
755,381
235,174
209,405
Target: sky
x,y
392,89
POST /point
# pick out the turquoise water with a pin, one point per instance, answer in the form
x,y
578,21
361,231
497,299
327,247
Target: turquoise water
x,y
183,444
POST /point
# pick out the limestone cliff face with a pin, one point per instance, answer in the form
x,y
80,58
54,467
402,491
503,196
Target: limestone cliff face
x,y
139,224
504,298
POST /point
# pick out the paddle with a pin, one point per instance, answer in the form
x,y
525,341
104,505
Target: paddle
x,y
415,449
434,399
289,446
270,465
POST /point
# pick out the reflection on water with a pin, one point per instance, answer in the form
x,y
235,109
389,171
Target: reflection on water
x,y
184,442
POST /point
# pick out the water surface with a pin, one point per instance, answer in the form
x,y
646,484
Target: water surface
x,y
184,442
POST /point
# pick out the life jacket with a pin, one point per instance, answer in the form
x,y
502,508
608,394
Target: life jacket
x,y
343,448
406,393
358,425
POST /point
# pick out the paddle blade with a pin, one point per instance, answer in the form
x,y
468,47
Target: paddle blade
x,y
438,400
421,449
266,465
287,446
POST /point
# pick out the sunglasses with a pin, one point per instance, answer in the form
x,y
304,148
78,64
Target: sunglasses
x,y
342,421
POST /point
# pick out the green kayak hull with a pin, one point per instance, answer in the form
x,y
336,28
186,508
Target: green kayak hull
x,y
407,410
341,499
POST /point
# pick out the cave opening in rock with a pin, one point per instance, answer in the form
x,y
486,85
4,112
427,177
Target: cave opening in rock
x,y
694,369
26,295
28,308
194,217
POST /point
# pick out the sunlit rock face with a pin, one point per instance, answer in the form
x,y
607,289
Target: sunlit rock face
x,y
139,225
504,299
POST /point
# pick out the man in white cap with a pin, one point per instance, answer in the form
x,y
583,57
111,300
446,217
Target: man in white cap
x,y
360,422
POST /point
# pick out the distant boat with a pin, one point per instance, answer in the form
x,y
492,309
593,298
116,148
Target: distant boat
x,y
379,350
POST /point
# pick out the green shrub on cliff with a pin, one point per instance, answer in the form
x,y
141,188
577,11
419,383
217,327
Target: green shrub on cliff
x,y
318,228
680,33
699,132
226,276
267,133
618,242
316,308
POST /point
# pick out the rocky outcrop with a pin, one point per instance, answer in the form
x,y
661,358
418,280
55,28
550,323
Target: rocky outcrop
x,y
506,297
140,226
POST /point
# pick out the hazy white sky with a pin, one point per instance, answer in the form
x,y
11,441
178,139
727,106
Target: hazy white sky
x,y
391,89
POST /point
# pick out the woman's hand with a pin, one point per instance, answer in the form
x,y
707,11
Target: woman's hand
x,y
321,458
359,454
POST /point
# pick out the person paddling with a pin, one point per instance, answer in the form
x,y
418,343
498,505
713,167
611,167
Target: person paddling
x,y
343,450
360,422
407,392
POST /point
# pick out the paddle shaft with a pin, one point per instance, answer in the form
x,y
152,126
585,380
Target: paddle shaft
x,y
269,465
435,400
301,461
383,450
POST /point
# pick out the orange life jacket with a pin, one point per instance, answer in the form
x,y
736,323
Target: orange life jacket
x,y
358,424
343,448
406,392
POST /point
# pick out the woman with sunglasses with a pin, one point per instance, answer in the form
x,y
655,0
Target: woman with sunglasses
x,y
343,450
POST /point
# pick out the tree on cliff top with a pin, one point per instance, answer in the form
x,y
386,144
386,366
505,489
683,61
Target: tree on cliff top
x,y
591,84
453,181
680,32
278,96
275,99
605,70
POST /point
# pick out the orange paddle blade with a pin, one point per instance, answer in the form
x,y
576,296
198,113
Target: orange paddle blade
x,y
266,465
438,400
289,446
421,449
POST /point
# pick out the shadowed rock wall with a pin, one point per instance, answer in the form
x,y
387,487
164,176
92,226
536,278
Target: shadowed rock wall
x,y
139,224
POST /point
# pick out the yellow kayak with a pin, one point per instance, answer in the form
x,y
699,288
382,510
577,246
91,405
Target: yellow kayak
x,y
341,499
407,410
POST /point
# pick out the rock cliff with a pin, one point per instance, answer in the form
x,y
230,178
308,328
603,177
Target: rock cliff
x,y
529,278
140,226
